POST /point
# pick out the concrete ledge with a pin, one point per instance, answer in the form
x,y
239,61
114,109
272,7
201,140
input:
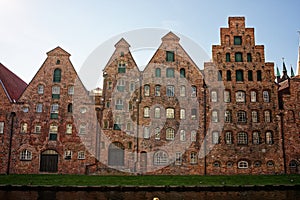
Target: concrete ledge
x,y
165,188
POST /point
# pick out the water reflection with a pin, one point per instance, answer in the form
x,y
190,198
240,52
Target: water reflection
x,y
116,195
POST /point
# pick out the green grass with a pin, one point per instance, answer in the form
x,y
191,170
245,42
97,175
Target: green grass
x,y
82,180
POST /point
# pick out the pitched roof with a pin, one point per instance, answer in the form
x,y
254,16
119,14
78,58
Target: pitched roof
x,y
58,51
11,83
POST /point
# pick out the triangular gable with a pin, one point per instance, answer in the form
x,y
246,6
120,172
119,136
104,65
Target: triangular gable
x,y
58,51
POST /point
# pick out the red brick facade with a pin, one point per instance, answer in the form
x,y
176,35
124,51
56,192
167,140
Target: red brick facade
x,y
170,118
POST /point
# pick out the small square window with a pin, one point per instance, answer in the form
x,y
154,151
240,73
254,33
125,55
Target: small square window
x,y
237,40
81,155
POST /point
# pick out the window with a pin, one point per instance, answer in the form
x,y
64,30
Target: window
x,y
193,113
129,126
160,158
194,91
157,113
71,90
242,138
37,128
54,111
249,57
241,116
267,115
55,92
121,85
57,62
170,73
214,96
227,57
121,67
25,155
81,155
40,89
182,135
25,109
178,158
217,164
269,138
82,129
109,85
193,136
70,108
255,137
24,127
220,75
253,96
170,134
146,90
53,132
170,113
1,127
193,158
57,75
119,104
215,137
227,96
240,96
258,74
228,116
214,116
157,133
170,90
239,75
122,54
270,163
69,129
250,75
117,123
157,72
228,75
157,90
228,137
266,96
257,164
132,86
146,112
182,113
242,164
83,110
182,73
237,40
39,108
68,155
229,164
254,116
182,91
170,56
238,57
146,132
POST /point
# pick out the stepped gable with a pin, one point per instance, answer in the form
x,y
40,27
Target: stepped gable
x,y
11,83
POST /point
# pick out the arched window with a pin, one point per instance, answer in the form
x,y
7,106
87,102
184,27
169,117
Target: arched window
x,y
146,90
182,135
214,116
157,90
267,116
170,73
243,164
228,75
194,91
241,116
255,137
242,138
217,164
182,113
157,133
146,132
227,39
240,96
157,72
55,92
122,67
57,61
229,164
214,96
238,57
266,96
227,96
254,116
228,116
269,137
25,155
239,75
228,137
215,137
182,91
193,136
146,112
24,127
57,75
160,158
253,96
170,113
193,158
182,73
170,134
270,163
157,113
40,89
70,108
116,154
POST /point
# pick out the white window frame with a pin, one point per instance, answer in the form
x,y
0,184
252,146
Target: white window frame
x,y
71,90
39,107
170,90
25,155
170,134
243,164
170,113
253,96
228,137
82,129
81,155
214,116
40,89
215,137
182,113
193,136
266,96
119,104
241,116
194,91
37,128
146,90
68,155
146,112
193,158
69,128
55,89
157,90
182,91
254,116
24,127
178,158
227,96
1,127
157,113
146,132
240,96
182,135
267,116
255,137
214,96
160,158
157,133
242,138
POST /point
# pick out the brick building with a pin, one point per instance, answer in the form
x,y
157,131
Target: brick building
x,y
170,118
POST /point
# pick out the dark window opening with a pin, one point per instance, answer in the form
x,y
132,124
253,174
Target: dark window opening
x,y
239,75
228,75
250,75
170,56
237,40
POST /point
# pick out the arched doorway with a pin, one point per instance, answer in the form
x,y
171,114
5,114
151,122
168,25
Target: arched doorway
x,y
49,161
143,162
116,154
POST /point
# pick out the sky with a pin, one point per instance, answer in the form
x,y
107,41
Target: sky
x,y
31,28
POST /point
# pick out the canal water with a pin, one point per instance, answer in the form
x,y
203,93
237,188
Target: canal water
x,y
114,195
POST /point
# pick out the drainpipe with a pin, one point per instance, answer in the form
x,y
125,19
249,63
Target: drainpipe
x,y
12,115
139,100
204,142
